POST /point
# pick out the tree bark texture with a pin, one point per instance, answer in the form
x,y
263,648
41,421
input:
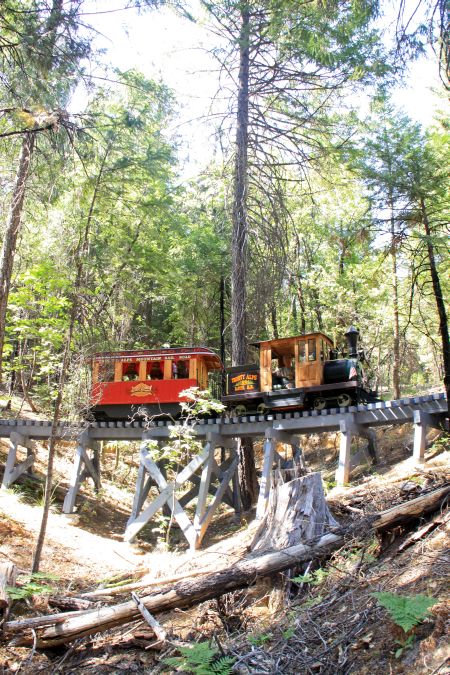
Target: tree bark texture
x,y
297,512
8,574
247,471
12,231
396,344
240,225
440,304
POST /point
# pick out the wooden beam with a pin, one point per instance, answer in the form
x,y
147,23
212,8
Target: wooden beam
x,y
204,485
70,498
83,467
265,484
343,470
202,524
13,470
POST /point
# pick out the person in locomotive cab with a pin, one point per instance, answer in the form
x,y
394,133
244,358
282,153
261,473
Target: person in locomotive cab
x,y
285,372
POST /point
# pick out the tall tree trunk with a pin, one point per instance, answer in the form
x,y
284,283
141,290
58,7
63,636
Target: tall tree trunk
x,y
443,323
273,318
317,310
301,302
12,231
240,225
222,326
294,317
247,469
396,345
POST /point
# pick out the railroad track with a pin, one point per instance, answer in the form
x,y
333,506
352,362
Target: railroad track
x,y
382,411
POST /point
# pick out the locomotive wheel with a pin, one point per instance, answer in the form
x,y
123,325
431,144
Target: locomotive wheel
x,y
262,409
344,400
239,410
319,403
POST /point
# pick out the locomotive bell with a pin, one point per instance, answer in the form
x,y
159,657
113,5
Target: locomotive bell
x,y
352,336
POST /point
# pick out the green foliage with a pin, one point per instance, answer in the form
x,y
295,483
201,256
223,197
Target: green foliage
x,y
33,493
441,444
288,633
162,524
30,586
405,611
182,439
201,659
404,645
315,578
260,640
328,485
312,602
199,403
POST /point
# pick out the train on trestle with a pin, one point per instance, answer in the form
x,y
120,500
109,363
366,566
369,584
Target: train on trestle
x,y
303,372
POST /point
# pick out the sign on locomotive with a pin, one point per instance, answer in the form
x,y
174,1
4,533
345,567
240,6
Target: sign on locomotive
x,y
301,372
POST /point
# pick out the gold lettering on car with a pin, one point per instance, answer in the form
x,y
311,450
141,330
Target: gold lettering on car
x,y
141,389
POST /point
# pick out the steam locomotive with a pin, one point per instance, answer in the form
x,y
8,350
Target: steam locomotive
x,y
301,372
294,373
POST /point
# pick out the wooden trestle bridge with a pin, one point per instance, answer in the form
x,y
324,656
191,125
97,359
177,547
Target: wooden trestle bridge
x,y
212,479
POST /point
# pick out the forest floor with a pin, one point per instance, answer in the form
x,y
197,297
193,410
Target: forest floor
x,y
329,624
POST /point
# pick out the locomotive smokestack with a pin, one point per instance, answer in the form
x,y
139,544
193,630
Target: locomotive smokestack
x,y
352,336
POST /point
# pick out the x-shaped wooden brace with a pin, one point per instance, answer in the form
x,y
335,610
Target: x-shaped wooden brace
x,y
13,470
83,467
192,531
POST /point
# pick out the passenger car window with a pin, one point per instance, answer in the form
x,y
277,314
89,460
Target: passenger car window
x,y
154,370
130,372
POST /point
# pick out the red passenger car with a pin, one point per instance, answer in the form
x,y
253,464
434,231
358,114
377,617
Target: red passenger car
x,y
147,381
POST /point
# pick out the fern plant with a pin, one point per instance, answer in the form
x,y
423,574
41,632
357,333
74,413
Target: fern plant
x,y
201,659
406,610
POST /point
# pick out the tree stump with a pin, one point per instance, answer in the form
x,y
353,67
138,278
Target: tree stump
x,y
8,574
297,513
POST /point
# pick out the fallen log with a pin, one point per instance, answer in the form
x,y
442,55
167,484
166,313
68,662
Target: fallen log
x,y
60,629
180,595
415,508
440,519
70,603
144,583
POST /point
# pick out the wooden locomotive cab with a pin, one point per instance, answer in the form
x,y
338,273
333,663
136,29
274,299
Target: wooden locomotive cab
x,y
147,382
304,356
295,373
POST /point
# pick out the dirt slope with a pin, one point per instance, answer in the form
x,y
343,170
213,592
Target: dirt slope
x,y
332,626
